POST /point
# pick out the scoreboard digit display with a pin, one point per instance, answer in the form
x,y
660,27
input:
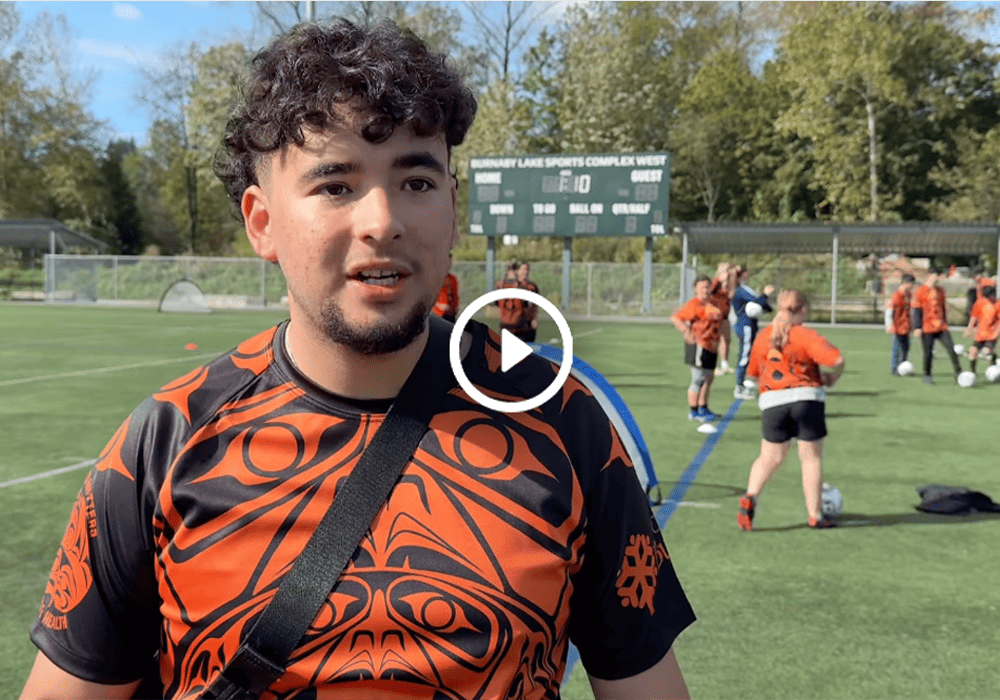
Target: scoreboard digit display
x,y
621,194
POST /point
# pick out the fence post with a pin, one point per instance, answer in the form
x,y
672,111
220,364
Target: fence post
x,y
833,287
567,257
590,289
114,261
263,282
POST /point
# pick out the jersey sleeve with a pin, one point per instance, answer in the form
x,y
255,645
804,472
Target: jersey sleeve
x,y
822,351
99,618
686,312
627,605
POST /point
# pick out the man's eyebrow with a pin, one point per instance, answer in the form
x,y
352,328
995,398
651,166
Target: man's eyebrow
x,y
420,159
325,170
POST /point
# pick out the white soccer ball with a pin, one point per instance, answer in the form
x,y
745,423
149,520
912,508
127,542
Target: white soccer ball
x,y
993,373
831,502
966,379
959,349
905,368
753,309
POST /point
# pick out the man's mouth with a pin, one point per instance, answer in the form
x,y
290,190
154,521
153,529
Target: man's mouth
x,y
379,278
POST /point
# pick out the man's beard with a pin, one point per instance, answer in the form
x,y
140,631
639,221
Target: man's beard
x,y
380,338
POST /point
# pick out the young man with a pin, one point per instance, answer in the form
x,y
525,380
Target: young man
x,y
929,319
523,271
700,322
746,325
898,321
508,535
985,321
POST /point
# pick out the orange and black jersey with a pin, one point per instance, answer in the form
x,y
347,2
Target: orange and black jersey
x,y
930,301
900,307
515,314
706,322
506,537
987,315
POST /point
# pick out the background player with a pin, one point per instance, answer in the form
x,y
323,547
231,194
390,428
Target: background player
x,y
746,325
786,359
929,318
700,322
446,305
721,294
898,321
985,322
523,270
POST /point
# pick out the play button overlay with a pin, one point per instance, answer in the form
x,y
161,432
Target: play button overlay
x,y
512,350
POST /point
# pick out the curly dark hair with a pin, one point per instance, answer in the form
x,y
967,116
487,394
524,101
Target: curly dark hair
x,y
318,74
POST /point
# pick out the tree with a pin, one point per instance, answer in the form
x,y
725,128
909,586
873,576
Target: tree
x,y
123,218
840,60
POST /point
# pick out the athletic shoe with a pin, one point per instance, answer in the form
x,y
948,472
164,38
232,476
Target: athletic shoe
x,y
744,517
693,415
743,393
823,523
927,379
719,371
730,370
704,414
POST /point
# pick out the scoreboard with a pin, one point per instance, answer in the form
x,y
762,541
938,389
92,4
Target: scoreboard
x,y
621,194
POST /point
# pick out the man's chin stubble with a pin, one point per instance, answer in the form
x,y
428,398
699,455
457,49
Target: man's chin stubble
x,y
381,338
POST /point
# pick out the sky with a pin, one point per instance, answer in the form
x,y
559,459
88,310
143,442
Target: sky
x,y
116,39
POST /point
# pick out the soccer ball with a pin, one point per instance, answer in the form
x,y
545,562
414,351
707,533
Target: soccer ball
x,y
753,309
905,368
993,373
959,349
966,379
831,502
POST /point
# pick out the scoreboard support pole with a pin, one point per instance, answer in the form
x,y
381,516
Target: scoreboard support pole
x,y
647,277
567,258
491,261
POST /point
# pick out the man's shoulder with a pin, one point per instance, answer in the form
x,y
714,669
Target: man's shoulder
x,y
199,394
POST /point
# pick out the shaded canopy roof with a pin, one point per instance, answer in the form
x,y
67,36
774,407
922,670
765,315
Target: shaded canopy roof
x,y
35,233
914,239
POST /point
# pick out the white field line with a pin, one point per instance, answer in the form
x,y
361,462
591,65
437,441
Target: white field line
x,y
51,472
697,504
102,370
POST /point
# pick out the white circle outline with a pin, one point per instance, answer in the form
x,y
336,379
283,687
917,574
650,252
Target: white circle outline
x,y
455,352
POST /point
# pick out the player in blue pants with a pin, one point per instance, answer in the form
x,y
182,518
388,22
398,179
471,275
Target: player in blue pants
x,y
745,328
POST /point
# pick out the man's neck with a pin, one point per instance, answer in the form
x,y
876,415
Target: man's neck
x,y
345,372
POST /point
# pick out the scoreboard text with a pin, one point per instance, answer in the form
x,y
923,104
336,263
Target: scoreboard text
x,y
624,194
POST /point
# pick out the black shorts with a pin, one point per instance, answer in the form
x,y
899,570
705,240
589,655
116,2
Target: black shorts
x,y
805,420
981,344
697,356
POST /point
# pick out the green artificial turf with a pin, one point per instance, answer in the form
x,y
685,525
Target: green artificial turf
x,y
892,604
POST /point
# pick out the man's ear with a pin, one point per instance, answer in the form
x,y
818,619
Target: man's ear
x,y
257,221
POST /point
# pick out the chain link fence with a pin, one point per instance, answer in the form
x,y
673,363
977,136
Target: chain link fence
x,y
596,289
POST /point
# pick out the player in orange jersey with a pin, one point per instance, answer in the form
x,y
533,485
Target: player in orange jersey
x,y
721,291
930,322
898,321
985,321
786,360
700,321
523,270
446,305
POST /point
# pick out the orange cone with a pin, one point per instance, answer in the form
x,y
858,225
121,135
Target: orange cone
x,y
190,346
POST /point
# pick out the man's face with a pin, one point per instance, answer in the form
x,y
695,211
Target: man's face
x,y
362,232
701,290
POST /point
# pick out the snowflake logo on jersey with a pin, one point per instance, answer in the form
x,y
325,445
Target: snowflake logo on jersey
x,y
640,566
